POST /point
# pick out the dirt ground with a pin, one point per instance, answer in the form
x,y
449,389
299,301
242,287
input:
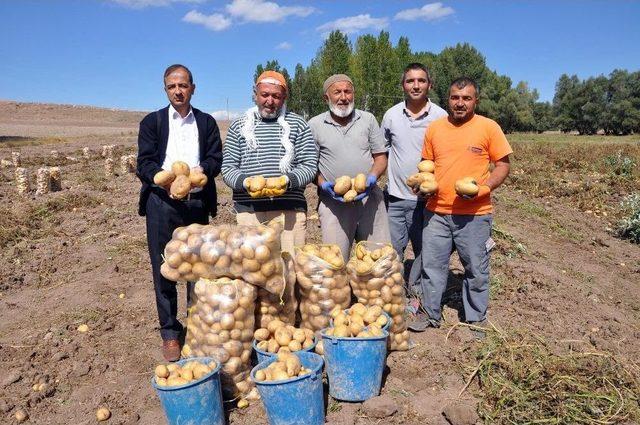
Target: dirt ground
x,y
79,256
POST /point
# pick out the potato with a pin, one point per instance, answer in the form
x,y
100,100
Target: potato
x,y
180,168
162,371
360,183
257,183
342,185
428,187
276,182
426,166
282,336
261,334
467,186
350,195
164,177
198,179
102,414
180,187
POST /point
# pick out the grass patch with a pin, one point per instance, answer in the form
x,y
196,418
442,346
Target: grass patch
x,y
523,380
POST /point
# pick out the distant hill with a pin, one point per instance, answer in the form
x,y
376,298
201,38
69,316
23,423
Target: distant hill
x,y
20,119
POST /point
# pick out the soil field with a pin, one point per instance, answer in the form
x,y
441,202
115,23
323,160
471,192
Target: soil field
x,y
78,256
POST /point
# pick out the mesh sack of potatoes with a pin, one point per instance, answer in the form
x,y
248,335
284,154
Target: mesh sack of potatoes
x,y
376,277
322,284
251,253
220,324
273,306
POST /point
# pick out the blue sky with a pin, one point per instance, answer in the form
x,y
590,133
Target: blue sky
x,y
112,52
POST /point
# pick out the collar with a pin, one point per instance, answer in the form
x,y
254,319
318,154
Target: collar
x,y
173,114
355,116
424,113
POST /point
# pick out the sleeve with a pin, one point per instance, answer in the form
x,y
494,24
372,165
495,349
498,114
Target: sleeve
x,y
306,158
427,147
231,157
212,161
147,165
498,145
377,143
385,126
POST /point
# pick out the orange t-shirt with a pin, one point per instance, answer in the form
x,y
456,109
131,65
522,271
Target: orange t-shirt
x,y
463,151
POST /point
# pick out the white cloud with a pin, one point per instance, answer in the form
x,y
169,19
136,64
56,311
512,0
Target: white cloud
x,y
215,22
141,4
223,116
428,12
354,24
264,11
285,45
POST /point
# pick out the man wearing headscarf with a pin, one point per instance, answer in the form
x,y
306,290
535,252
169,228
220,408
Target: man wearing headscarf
x,y
270,141
350,142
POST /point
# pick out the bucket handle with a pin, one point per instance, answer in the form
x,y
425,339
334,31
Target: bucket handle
x,y
315,376
334,341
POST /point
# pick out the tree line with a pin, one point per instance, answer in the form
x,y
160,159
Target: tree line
x,y
375,65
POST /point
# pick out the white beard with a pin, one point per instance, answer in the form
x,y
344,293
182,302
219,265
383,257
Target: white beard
x,y
340,111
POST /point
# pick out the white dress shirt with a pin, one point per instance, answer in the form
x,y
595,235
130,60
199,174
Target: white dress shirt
x,y
183,140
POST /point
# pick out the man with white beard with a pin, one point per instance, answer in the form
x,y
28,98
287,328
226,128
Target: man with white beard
x,y
350,142
270,141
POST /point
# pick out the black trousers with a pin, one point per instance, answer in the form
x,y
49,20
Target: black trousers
x,y
164,215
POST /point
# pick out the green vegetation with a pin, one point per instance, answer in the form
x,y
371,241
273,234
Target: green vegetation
x,y
611,105
629,226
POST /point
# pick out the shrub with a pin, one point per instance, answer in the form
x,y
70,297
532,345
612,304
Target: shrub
x,y
629,226
620,164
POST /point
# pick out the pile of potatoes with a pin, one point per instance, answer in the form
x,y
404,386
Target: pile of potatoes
x,y
181,178
250,253
349,188
286,367
279,337
322,284
220,325
173,375
467,186
261,187
359,321
424,180
273,306
375,274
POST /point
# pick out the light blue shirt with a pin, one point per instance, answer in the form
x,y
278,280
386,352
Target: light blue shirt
x,y
405,136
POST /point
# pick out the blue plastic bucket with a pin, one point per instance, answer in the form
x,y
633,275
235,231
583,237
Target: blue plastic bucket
x,y
354,365
196,403
295,401
385,327
264,355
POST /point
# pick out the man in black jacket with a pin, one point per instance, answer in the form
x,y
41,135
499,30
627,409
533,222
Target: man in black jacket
x,y
175,133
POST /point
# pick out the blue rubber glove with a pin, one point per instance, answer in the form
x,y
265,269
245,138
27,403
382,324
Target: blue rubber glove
x,y
327,187
371,181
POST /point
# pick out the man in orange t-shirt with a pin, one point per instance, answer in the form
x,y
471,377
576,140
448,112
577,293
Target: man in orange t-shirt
x,y
461,145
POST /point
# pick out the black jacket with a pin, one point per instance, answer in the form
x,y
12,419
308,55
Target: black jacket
x,y
152,148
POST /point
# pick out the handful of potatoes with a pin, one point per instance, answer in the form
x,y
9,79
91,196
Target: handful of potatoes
x,y
349,188
173,375
359,321
220,325
250,253
279,337
322,282
286,367
181,178
261,187
424,180
467,186
273,306
376,277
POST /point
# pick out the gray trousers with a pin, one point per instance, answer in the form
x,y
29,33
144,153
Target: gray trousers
x,y
405,224
470,235
343,223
